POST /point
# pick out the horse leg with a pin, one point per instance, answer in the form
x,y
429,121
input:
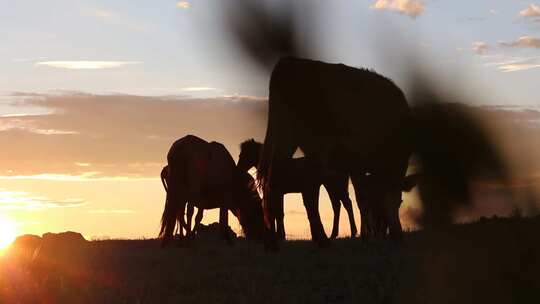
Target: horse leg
x,y
347,203
224,224
311,203
395,230
180,228
270,219
279,218
342,189
364,213
336,206
189,216
198,218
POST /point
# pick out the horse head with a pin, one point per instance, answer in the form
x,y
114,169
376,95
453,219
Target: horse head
x,y
250,153
249,211
381,199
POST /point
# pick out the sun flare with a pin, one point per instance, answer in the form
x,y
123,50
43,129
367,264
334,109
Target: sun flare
x,y
7,232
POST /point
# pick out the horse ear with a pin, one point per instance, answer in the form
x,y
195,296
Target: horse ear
x,y
409,182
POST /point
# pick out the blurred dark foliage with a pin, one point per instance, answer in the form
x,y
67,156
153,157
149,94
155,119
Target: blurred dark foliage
x,y
264,34
452,149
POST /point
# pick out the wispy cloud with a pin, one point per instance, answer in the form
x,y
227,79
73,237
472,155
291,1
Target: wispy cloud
x,y
198,89
516,64
111,211
29,59
480,47
85,64
20,200
524,41
411,8
183,4
87,176
121,137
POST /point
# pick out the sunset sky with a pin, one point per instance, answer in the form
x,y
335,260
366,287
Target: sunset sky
x,y
92,93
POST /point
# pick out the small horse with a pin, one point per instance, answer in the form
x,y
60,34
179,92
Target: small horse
x,y
205,175
189,211
304,176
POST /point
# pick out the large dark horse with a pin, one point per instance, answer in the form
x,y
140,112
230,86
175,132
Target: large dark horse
x,y
300,175
205,175
189,212
349,120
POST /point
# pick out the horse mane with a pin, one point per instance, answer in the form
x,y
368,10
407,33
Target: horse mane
x,y
249,143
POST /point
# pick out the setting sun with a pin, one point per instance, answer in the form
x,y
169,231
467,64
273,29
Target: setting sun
x,y
7,232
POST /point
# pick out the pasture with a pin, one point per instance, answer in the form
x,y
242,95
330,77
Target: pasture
x,y
490,261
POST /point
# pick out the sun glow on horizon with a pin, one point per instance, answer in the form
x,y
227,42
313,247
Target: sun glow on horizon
x,y
8,232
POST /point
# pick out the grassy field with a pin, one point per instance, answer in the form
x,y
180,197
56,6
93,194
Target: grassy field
x,y
491,261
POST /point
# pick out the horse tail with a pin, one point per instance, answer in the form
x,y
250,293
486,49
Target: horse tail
x,y
172,208
164,176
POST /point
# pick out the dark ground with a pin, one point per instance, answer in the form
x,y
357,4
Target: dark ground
x,y
490,261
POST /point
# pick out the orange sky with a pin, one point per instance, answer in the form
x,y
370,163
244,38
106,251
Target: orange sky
x,y
91,163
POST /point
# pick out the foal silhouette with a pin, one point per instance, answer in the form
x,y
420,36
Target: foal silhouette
x,y
301,175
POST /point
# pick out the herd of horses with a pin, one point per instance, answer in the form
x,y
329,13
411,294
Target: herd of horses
x,y
348,122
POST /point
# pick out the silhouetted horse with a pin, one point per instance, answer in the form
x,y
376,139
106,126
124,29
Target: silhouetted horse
x,y
360,122
300,175
205,175
349,120
189,211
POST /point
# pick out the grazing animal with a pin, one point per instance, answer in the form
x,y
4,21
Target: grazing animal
x,y
189,211
303,176
205,175
349,120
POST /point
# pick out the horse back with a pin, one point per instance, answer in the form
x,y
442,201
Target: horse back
x,y
340,112
222,166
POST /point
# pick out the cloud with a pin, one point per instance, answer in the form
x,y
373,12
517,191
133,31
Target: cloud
x,y
480,47
183,4
524,41
83,177
117,137
85,64
20,200
412,8
516,64
532,11
111,211
520,66
28,59
198,89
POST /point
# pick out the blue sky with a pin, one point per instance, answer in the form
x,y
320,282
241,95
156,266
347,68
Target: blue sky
x,y
162,48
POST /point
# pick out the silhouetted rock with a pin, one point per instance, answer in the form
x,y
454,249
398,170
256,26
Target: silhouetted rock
x,y
60,252
212,231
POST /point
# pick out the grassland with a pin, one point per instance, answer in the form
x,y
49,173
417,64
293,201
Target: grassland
x,y
491,261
